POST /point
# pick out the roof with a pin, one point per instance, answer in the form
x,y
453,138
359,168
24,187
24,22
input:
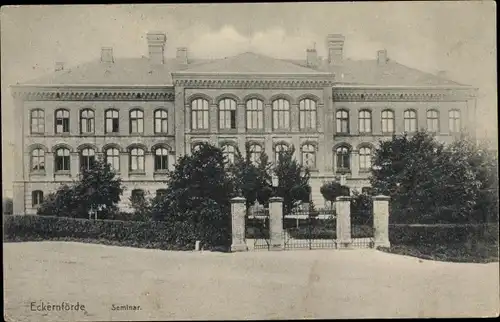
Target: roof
x,y
139,71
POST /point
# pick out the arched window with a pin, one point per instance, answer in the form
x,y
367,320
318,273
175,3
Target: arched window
x,y
343,158
161,192
433,121
387,121
307,114
227,114
199,114
255,153
410,120
136,121
137,196
36,198
454,119
365,121
38,160
87,158
308,156
62,121
342,117
112,121
365,158
87,121
278,150
37,121
161,121
281,114
255,114
62,159
113,158
161,159
137,159
228,151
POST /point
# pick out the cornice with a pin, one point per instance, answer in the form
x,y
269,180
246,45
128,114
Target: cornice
x,y
402,94
93,93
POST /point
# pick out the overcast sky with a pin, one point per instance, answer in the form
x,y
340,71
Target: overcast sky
x,y
459,37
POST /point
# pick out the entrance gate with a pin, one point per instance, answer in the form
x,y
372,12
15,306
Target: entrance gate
x,y
257,228
303,229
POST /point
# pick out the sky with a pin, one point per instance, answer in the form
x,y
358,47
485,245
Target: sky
x,y
457,37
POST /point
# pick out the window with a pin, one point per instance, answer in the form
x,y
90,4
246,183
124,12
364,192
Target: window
x,y
62,121
228,152
367,191
112,121
36,198
38,160
410,120
227,114
342,117
136,121
161,121
37,121
432,121
309,156
454,118
161,159
196,147
87,121
137,196
343,158
255,114
387,121
278,150
255,153
113,158
365,121
161,192
137,159
87,158
307,114
62,159
365,159
199,114
281,114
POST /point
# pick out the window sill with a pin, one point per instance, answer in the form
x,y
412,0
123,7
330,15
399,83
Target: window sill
x,y
136,173
342,133
255,130
228,130
37,173
63,134
343,171
37,133
63,173
160,172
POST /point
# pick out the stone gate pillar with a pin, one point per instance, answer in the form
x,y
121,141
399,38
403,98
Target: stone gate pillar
x,y
381,220
343,209
238,225
276,223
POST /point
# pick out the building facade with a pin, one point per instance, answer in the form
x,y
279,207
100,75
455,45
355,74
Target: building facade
x,y
142,114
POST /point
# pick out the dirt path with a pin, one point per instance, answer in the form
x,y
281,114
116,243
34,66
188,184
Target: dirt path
x,y
251,285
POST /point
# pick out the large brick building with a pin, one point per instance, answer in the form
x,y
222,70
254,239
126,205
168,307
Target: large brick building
x,y
143,113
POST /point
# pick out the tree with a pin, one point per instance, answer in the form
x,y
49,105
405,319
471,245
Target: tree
x,y
333,189
253,181
427,182
142,206
8,206
198,191
293,181
98,188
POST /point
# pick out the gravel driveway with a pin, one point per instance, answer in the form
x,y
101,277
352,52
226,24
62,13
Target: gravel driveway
x,y
164,285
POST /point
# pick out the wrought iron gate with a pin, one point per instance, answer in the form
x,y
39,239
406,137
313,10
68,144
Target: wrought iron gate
x,y
304,229
257,228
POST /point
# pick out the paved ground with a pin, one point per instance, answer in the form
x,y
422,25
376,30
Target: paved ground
x,y
251,285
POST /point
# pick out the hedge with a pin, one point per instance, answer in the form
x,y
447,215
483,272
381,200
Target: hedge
x,y
150,234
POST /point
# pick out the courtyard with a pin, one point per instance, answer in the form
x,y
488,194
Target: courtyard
x,y
165,285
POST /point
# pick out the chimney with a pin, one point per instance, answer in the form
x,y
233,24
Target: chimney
x,y
182,55
382,57
335,45
312,58
59,66
156,47
107,55
442,74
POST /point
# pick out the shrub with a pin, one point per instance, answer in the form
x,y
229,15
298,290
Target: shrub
x,y
152,234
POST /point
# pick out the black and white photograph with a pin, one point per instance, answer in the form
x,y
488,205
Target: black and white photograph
x,y
250,161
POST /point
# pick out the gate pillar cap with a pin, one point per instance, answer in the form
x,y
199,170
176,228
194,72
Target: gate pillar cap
x,y
343,198
275,199
381,197
238,200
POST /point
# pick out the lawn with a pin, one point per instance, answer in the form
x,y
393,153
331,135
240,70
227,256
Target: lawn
x,y
170,285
